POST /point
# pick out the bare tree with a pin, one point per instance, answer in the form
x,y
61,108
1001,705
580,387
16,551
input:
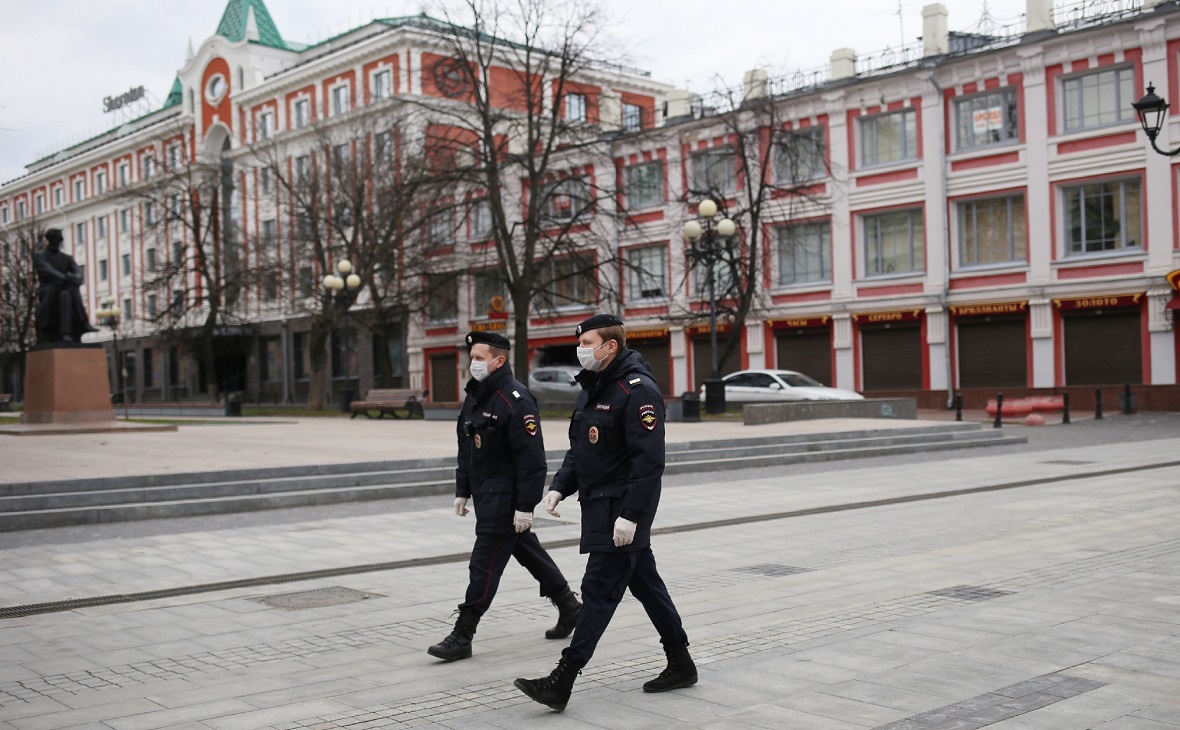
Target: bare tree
x,y
18,293
525,148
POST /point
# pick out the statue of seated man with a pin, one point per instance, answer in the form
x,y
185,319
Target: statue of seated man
x,y
61,316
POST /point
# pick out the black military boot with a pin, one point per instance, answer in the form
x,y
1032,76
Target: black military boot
x,y
457,645
568,608
554,690
680,672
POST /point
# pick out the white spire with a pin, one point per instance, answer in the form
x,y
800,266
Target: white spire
x,y
251,26
188,56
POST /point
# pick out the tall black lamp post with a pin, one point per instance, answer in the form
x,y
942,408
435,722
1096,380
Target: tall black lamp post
x,y
1153,112
341,291
703,234
109,317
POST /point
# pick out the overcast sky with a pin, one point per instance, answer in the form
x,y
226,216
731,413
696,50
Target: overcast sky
x,y
59,58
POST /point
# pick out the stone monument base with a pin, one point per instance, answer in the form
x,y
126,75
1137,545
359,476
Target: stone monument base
x,y
67,385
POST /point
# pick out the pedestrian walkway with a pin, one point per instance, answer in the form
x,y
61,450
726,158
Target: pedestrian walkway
x,y
1013,591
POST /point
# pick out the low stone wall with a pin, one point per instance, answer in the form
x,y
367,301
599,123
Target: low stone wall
x,y
755,414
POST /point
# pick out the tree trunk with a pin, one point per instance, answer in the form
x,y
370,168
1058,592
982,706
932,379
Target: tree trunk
x,y
318,357
207,333
520,335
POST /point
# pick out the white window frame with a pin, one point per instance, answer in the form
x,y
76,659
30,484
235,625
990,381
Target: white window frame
x,y
125,265
479,219
381,82
100,227
266,180
79,189
100,182
1121,79
722,158
809,163
647,273
149,166
59,196
341,97
974,116
816,239
1119,195
103,270
575,189
1017,230
265,124
79,234
871,247
38,204
870,137
4,214
576,107
301,112
175,156
124,220
634,183
20,210
124,174
632,117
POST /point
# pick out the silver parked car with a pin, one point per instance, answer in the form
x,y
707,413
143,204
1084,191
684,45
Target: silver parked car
x,y
554,384
768,386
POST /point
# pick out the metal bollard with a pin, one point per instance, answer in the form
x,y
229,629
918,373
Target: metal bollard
x,y
999,410
1098,404
1065,407
1127,409
959,407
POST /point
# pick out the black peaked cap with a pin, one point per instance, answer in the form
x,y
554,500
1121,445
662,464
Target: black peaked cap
x,y
487,338
598,321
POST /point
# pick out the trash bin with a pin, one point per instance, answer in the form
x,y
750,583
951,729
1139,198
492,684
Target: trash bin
x,y
690,405
233,405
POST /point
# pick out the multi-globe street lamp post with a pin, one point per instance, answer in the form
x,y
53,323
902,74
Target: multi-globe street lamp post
x,y
109,317
341,291
704,234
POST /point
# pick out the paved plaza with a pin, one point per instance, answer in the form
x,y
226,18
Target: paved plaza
x,y
1017,588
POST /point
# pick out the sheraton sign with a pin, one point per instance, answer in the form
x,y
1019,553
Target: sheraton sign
x,y
113,103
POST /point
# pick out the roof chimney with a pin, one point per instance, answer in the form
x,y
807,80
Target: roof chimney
x,y
1039,15
935,39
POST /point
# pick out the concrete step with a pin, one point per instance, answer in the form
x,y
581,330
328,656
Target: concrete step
x,y
49,504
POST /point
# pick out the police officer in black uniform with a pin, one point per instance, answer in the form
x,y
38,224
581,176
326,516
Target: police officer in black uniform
x,y
502,468
615,463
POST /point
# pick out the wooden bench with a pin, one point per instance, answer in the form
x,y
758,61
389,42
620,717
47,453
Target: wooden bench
x,y
5,401
391,401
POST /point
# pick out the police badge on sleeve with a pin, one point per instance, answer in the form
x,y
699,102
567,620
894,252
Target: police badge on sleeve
x,y
647,416
530,424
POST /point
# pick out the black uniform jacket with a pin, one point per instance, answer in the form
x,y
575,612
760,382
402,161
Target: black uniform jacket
x,y
616,456
501,451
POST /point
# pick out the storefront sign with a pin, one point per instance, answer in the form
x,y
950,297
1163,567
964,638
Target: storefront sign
x,y
799,322
909,315
984,310
493,326
703,329
1173,278
647,334
1100,302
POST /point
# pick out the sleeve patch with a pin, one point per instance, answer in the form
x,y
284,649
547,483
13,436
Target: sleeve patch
x,y
531,427
635,381
647,416
517,394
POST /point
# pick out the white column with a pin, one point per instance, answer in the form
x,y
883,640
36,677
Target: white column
x,y
1036,151
755,344
1040,312
1163,338
936,343
842,352
676,347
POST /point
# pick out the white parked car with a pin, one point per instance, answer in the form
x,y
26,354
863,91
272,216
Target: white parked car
x,y
767,386
554,384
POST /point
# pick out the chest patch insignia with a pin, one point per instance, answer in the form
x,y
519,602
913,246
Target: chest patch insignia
x,y
530,425
602,407
593,435
478,442
647,416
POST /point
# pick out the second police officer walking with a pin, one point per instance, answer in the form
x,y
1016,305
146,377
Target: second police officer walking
x,y
614,464
501,467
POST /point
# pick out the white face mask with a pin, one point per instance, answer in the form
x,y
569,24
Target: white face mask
x,y
587,360
479,369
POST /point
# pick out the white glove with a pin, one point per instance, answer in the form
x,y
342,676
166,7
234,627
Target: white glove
x,y
522,521
552,497
624,532
461,506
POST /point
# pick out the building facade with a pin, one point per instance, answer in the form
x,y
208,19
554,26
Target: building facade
x,y
978,211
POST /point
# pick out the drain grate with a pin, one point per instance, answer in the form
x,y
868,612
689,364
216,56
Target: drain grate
x,y
773,570
318,598
970,593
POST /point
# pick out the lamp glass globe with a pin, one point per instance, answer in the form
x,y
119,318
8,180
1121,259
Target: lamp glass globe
x,y
330,282
692,230
344,267
353,281
726,227
707,208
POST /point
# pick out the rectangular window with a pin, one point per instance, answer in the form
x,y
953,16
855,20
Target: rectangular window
x,y
124,170
102,269
442,304
149,167
302,168
723,269
1103,216
804,254
174,157
714,171
175,207
341,99
177,304
126,258
991,231
270,286
302,352
889,137
79,190
268,232
383,85
39,204
79,234
149,259
341,154
305,282
575,107
266,124
153,306
440,230
20,210
100,225
302,113
987,119
124,220
126,310
799,156
567,200
177,253
486,285
894,243
59,195
100,183
647,273
149,375
383,146
1099,99
632,117
645,185
270,359
4,215
480,219
266,179
569,281
149,213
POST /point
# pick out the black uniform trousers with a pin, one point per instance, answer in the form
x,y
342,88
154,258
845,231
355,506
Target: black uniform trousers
x,y
608,576
490,556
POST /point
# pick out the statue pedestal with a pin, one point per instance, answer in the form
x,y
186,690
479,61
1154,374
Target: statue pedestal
x,y
67,385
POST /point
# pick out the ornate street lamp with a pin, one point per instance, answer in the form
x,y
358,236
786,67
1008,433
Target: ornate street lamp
x,y
109,317
341,291
703,234
1153,111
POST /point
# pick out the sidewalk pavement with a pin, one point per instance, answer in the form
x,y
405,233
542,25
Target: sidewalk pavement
x,y
250,443
1050,605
